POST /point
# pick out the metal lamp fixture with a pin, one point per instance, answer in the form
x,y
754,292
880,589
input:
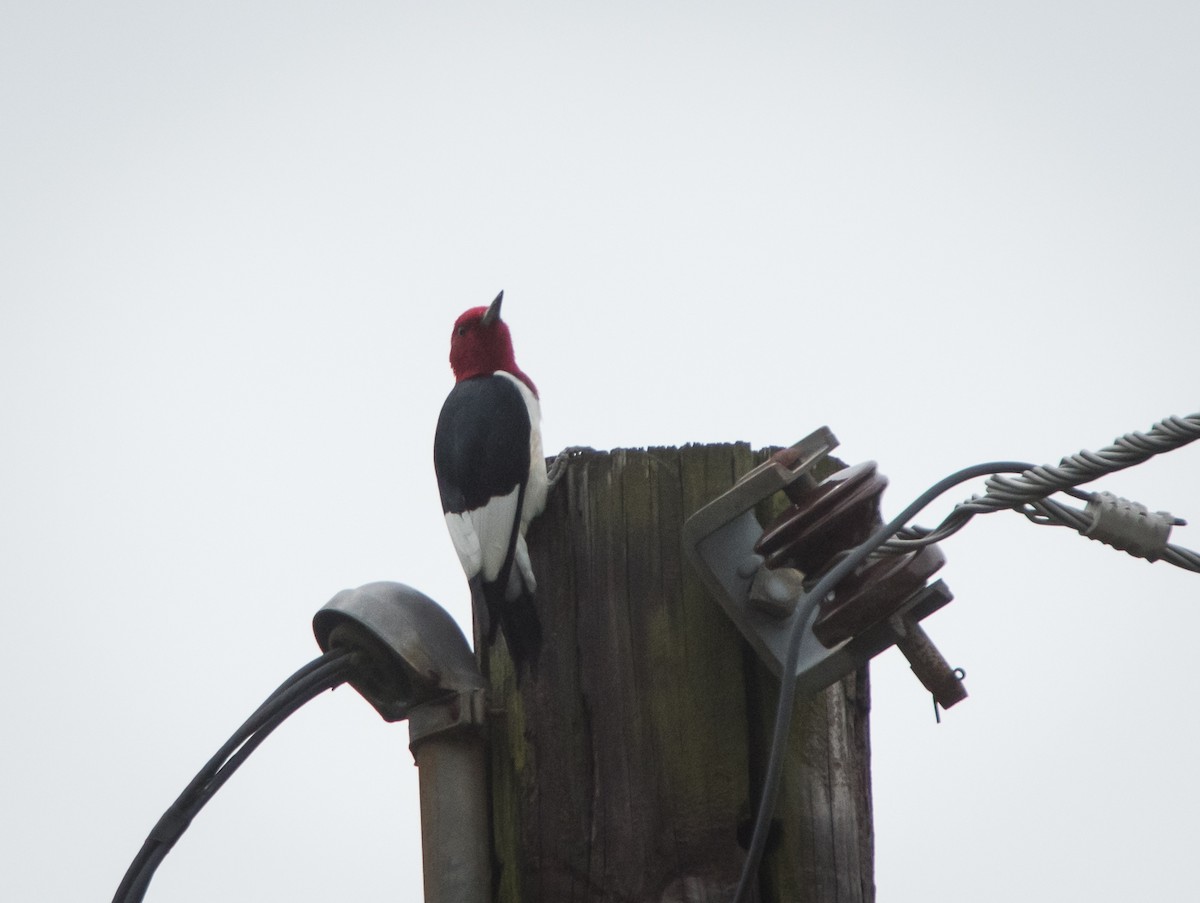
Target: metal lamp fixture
x,y
415,664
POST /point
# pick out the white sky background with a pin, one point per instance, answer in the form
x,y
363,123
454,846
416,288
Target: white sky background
x,y
234,237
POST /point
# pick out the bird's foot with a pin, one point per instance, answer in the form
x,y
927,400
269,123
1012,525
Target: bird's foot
x,y
558,466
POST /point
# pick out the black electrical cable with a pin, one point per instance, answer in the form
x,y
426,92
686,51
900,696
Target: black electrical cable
x,y
319,675
179,815
787,688
323,673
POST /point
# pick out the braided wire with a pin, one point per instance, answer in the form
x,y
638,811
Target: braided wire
x,y
1027,492
1126,451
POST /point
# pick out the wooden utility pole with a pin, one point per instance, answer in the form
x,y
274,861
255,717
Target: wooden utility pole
x,y
625,769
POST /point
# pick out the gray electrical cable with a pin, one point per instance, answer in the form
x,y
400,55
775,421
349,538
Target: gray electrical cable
x,y
787,688
1025,493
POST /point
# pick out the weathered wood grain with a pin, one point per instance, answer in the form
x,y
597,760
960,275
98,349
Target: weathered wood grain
x,y
625,768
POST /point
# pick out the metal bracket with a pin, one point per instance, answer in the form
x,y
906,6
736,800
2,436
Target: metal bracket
x,y
462,711
720,539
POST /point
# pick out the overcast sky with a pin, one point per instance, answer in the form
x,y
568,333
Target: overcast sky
x,y
233,237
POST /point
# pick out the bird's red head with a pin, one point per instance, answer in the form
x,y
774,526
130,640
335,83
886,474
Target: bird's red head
x,y
481,344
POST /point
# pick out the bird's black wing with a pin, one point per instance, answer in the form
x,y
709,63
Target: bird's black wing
x,y
481,447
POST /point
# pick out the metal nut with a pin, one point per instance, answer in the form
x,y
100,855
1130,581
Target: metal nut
x,y
776,592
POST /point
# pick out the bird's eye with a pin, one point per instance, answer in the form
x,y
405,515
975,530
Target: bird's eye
x,y
462,330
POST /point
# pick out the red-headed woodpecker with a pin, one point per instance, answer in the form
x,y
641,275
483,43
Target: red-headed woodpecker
x,y
487,453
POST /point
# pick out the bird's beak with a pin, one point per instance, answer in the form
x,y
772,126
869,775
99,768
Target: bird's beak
x,y
493,311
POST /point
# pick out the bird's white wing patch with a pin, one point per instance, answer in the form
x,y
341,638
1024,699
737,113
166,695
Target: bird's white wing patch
x,y
466,542
492,526
538,486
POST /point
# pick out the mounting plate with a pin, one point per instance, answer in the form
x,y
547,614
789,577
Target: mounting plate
x,y
720,540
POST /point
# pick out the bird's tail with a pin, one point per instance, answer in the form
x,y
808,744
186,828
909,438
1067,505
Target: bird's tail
x,y
516,618
522,632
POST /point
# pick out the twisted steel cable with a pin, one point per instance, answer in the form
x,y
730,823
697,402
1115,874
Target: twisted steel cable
x,y
1027,492
1126,451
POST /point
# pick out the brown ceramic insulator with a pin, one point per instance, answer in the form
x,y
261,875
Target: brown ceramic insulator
x,y
839,513
874,592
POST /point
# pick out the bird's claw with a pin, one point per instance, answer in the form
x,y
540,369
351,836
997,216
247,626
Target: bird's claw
x,y
558,466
